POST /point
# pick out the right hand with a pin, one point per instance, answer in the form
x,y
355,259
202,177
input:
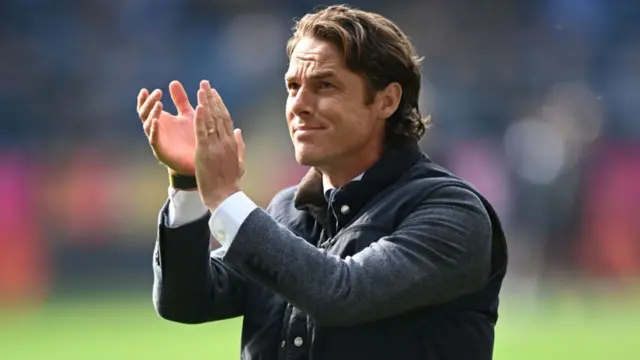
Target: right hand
x,y
171,137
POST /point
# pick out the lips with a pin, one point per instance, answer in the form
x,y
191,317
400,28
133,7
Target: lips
x,y
307,132
307,128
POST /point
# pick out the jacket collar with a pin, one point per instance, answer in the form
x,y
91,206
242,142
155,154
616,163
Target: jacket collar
x,y
388,169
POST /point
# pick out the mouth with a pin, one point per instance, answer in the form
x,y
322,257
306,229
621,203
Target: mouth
x,y
307,128
306,132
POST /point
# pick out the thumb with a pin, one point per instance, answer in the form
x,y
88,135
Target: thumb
x,y
180,98
241,147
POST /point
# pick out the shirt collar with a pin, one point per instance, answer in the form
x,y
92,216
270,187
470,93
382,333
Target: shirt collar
x,y
328,187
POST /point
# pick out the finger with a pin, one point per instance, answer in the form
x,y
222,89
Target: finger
x,y
209,121
214,110
156,111
180,98
153,132
145,109
142,96
147,104
200,127
241,147
224,115
206,88
146,126
153,116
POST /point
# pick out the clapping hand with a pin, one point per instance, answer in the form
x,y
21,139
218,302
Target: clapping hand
x,y
219,153
171,137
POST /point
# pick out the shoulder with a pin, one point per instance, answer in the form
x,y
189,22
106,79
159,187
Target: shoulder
x,y
452,190
460,203
453,197
437,188
454,206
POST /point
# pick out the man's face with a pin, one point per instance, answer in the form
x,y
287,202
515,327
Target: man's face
x,y
326,109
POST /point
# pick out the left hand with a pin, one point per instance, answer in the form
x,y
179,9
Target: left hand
x,y
219,158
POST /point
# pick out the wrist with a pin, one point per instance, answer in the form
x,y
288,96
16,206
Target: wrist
x,y
182,182
214,201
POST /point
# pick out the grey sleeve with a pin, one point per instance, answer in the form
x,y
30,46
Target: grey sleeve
x,y
191,284
440,251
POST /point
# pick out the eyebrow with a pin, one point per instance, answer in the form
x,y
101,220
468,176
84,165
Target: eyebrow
x,y
316,75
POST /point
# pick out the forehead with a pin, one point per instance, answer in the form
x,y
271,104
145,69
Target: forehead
x,y
312,54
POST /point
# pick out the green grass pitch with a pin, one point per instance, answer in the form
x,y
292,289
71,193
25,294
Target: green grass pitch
x,y
129,329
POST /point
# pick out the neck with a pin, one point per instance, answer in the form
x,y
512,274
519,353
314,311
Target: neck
x,y
341,172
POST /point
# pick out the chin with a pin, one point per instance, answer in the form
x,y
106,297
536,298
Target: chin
x,y
309,157
305,159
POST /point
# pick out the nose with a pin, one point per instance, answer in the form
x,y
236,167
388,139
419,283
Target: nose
x,y
302,103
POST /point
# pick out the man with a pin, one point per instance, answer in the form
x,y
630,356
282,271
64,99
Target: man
x,y
378,253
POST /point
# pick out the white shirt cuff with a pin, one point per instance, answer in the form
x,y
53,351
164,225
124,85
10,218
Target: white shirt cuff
x,y
227,218
184,207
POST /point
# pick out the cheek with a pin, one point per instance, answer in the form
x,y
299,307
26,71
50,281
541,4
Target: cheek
x,y
358,121
288,113
288,104
347,120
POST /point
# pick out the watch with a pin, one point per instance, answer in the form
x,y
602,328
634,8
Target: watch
x,y
183,182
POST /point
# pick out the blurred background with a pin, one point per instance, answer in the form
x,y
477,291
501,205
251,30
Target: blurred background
x,y
535,102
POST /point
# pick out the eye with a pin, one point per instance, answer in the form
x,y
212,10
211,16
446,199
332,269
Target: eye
x,y
326,85
293,86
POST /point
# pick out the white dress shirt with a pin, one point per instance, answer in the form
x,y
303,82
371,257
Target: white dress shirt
x,y
225,221
187,206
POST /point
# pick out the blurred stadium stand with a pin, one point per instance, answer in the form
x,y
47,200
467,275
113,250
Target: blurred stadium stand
x,y
536,102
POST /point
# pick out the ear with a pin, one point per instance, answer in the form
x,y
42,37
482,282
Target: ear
x,y
389,99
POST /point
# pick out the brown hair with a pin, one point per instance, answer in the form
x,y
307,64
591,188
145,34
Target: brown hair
x,y
374,47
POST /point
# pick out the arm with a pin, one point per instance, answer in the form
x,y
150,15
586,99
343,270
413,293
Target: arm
x,y
439,252
192,285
